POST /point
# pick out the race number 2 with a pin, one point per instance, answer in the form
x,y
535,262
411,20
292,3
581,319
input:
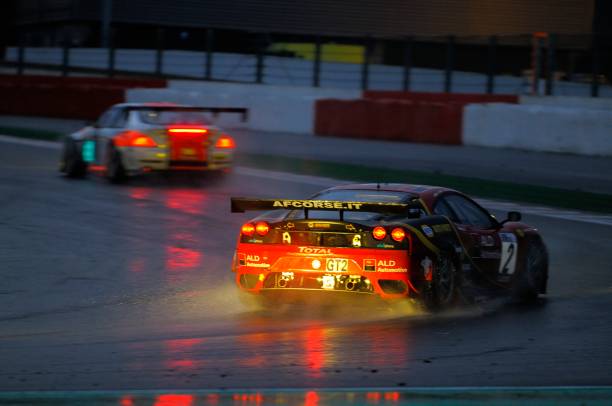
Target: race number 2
x,y
507,265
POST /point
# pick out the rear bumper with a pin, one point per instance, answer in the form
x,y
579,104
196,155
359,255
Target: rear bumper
x,y
143,160
273,269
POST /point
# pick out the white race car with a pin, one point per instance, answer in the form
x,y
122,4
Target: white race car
x,y
136,138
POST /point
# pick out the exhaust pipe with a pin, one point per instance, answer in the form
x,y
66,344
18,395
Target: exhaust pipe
x,y
352,285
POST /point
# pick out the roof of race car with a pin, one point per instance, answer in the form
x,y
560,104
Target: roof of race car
x,y
417,190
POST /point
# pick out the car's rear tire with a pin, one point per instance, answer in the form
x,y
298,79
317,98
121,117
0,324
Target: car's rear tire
x,y
442,292
72,163
115,171
534,278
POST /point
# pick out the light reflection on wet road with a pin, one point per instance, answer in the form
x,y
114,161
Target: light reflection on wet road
x,y
129,287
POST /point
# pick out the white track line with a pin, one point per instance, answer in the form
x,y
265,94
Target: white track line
x,y
572,215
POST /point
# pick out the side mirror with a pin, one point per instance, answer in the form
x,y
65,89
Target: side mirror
x,y
513,216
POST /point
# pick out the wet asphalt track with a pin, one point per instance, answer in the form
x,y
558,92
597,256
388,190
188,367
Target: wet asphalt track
x,y
129,287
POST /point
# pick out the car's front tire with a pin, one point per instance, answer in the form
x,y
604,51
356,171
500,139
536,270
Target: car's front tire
x,y
534,278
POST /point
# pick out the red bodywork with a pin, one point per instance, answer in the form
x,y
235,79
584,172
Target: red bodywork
x,y
266,259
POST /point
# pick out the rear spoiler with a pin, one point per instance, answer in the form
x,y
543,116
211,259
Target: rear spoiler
x,y
240,205
244,112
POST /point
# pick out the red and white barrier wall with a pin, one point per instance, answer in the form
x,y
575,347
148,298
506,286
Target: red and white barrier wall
x,y
554,124
533,127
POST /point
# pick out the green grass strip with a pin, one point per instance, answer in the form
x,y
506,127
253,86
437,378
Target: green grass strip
x,y
31,133
493,189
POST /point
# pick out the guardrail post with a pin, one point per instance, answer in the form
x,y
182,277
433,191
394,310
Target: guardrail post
x,y
365,68
159,53
450,61
65,59
595,68
111,53
210,38
316,65
492,68
550,64
259,64
408,48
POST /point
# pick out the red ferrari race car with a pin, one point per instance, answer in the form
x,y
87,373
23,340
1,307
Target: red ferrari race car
x,y
393,241
135,138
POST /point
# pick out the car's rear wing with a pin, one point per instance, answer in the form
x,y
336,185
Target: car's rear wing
x,y
240,205
244,112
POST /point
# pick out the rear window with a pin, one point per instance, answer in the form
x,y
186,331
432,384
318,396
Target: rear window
x,y
173,116
370,196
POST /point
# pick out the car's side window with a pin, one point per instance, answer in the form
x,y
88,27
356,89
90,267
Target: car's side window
x,y
442,208
468,212
105,118
119,119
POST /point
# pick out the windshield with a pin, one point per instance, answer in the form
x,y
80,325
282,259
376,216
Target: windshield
x,y
346,195
173,116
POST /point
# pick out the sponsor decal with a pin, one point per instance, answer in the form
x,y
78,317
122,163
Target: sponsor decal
x,y
313,250
356,241
255,265
319,225
392,270
427,231
507,264
442,228
383,245
316,204
252,261
389,265
369,265
351,227
290,226
286,238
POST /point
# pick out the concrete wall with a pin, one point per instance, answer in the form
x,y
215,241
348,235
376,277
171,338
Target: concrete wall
x,y
291,71
594,103
271,108
539,128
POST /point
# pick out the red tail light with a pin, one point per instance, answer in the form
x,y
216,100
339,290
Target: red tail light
x,y
398,234
181,130
379,233
248,229
134,139
225,142
262,228
143,141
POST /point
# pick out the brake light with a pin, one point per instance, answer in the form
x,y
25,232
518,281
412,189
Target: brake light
x,y
134,139
262,228
143,141
248,229
177,130
398,234
379,233
226,142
